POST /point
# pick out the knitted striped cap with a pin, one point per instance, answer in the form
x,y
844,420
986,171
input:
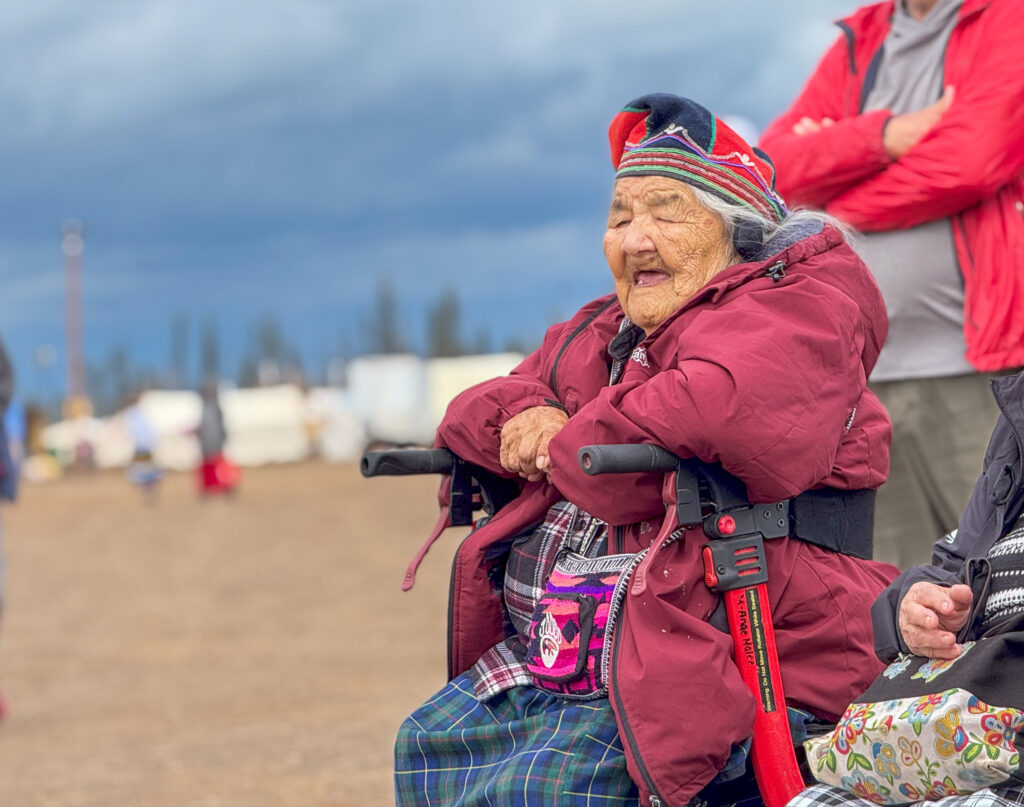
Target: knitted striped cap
x,y
666,135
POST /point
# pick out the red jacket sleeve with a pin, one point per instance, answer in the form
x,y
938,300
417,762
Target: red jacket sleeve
x,y
769,400
811,169
473,421
976,148
472,424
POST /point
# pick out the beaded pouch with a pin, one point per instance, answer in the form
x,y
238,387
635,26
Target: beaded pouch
x,y
573,622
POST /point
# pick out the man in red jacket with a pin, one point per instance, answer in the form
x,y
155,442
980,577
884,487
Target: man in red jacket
x,y
911,130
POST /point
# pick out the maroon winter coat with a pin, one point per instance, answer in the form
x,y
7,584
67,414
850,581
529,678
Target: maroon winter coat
x,y
766,377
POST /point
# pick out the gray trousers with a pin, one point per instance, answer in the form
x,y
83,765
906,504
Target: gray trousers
x,y
940,429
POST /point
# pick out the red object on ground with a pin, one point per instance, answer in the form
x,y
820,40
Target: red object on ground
x,y
218,475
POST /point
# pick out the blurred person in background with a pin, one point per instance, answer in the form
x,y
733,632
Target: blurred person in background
x,y
739,334
216,473
8,469
911,129
142,471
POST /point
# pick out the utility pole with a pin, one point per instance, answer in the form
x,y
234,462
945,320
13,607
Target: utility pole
x,y
77,401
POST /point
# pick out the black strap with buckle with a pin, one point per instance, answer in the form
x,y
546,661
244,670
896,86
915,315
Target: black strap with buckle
x,y
838,520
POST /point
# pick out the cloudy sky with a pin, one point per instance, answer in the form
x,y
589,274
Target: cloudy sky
x,y
234,159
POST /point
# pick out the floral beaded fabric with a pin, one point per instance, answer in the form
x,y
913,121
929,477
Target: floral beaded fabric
x,y
926,745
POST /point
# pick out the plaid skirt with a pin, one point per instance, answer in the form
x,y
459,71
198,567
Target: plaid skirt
x,y
522,747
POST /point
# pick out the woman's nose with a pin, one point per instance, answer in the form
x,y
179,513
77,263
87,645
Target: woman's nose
x,y
637,240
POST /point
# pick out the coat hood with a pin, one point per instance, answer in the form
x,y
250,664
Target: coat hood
x,y
818,251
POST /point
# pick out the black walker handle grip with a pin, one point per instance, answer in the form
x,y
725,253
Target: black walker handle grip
x,y
407,461
625,459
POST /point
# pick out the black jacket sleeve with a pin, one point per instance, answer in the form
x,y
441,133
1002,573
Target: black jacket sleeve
x,y
981,525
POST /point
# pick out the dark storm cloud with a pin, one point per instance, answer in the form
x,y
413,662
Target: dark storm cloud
x,y
242,157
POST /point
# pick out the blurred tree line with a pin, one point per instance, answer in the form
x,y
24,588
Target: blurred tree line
x,y
270,357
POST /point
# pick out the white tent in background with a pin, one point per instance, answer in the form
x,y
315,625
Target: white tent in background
x,y
173,415
338,433
402,398
389,395
65,437
446,378
266,424
397,399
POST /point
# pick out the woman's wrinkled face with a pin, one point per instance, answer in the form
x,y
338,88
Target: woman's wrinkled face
x,y
662,246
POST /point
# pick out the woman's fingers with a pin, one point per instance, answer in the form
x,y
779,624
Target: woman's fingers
x,y
509,454
922,633
525,438
534,461
931,643
948,604
541,458
519,448
528,456
929,615
918,615
960,598
944,646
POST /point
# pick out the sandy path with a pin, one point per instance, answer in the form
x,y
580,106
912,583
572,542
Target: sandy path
x,y
248,652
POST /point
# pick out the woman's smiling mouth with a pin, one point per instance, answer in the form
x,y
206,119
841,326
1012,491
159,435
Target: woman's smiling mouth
x,y
649,277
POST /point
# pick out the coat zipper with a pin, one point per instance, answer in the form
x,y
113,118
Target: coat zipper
x,y
572,336
617,603
956,219
848,33
618,597
613,690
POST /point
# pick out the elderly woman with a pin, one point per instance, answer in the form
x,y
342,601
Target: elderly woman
x,y
738,334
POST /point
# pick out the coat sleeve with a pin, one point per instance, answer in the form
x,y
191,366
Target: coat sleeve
x,y
813,168
764,385
973,538
975,149
472,424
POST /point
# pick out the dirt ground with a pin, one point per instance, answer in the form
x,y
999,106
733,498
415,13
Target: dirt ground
x,y
248,652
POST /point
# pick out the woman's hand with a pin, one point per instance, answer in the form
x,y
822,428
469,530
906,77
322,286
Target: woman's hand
x,y
525,438
930,615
